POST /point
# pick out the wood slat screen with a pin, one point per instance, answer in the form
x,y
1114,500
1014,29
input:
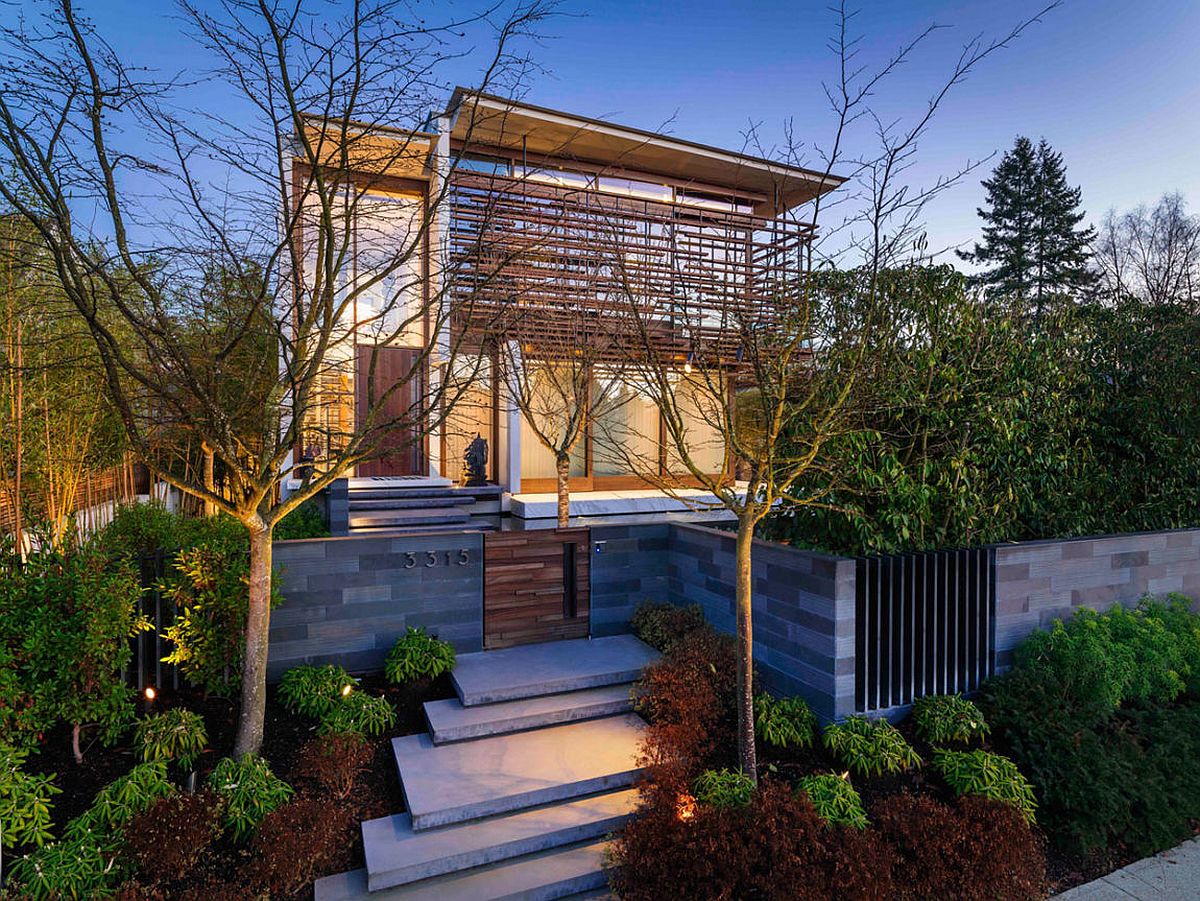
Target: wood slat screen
x,y
528,257
531,590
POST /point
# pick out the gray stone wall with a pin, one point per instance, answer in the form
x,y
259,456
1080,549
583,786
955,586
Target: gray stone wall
x,y
629,565
346,600
803,611
1040,581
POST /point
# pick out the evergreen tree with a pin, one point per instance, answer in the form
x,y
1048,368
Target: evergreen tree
x,y
1032,240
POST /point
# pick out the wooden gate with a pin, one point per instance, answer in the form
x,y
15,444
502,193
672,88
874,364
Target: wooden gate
x,y
535,586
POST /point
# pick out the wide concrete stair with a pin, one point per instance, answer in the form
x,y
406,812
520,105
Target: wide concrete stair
x,y
395,508
514,791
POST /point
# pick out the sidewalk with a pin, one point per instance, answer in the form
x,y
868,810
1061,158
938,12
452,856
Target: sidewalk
x,y
1173,875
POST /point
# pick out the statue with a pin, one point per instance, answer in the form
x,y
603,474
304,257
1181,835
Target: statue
x,y
475,462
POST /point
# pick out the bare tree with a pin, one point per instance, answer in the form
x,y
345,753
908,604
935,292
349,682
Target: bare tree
x,y
1152,254
768,365
235,265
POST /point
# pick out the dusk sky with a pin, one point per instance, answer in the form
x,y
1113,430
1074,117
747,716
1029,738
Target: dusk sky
x,y
1110,83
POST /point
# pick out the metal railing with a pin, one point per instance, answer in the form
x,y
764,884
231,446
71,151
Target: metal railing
x,y
146,667
924,625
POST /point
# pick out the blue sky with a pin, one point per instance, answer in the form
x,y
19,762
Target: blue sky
x,y
1112,84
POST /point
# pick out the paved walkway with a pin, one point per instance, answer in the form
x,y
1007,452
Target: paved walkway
x,y
1173,875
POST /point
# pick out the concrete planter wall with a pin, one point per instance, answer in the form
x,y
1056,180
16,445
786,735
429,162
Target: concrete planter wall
x,y
347,599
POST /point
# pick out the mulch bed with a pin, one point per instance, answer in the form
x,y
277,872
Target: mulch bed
x,y
378,792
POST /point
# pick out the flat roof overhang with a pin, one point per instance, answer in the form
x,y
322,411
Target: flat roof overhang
x,y
487,120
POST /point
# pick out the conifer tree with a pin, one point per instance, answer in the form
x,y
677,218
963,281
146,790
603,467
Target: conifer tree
x,y
1032,240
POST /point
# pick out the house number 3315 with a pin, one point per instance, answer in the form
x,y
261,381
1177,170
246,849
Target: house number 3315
x,y
436,558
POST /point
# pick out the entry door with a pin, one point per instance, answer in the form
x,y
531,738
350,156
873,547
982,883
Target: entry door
x,y
535,586
403,451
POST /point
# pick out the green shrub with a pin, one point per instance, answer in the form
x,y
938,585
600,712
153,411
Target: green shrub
x,y
208,586
662,625
1115,657
122,800
723,788
25,804
250,790
988,775
784,722
315,691
77,607
306,521
359,712
78,868
418,655
941,719
835,800
870,747
138,527
177,734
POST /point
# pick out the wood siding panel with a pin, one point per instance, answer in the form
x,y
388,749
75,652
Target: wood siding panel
x,y
524,589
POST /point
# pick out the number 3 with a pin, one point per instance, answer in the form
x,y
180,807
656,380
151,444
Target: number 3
x,y
409,560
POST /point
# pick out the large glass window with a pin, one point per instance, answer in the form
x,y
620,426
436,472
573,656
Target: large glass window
x,y
470,385
703,407
625,425
550,393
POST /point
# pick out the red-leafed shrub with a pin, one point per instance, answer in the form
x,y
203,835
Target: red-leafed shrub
x,y
975,850
168,839
774,848
296,843
689,697
334,761
226,891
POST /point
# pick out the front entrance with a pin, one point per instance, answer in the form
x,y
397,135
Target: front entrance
x,y
536,586
403,451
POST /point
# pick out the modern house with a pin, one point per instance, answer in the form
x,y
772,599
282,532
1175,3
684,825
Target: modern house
x,y
532,218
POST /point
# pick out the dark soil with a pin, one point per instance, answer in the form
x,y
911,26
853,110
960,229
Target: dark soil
x,y
377,793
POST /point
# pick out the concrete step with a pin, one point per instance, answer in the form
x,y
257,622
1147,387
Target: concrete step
x,y
445,784
557,873
486,492
477,524
398,855
411,503
555,667
377,518
450,721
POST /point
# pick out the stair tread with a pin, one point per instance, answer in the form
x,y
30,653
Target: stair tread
x,y
397,854
533,670
411,503
446,784
450,720
556,873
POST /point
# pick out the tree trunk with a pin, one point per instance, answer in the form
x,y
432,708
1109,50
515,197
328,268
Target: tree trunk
x,y
76,749
258,621
745,636
563,465
210,481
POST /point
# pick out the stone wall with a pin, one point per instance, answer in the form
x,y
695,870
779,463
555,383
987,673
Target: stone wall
x,y
1040,581
346,600
629,565
803,611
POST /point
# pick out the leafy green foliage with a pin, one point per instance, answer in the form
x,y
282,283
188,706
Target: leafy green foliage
x,y
76,606
989,775
418,655
77,868
177,734
870,747
662,625
315,690
306,521
942,719
723,788
121,800
25,801
250,790
1118,656
1106,775
784,722
835,800
209,587
142,527
359,712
